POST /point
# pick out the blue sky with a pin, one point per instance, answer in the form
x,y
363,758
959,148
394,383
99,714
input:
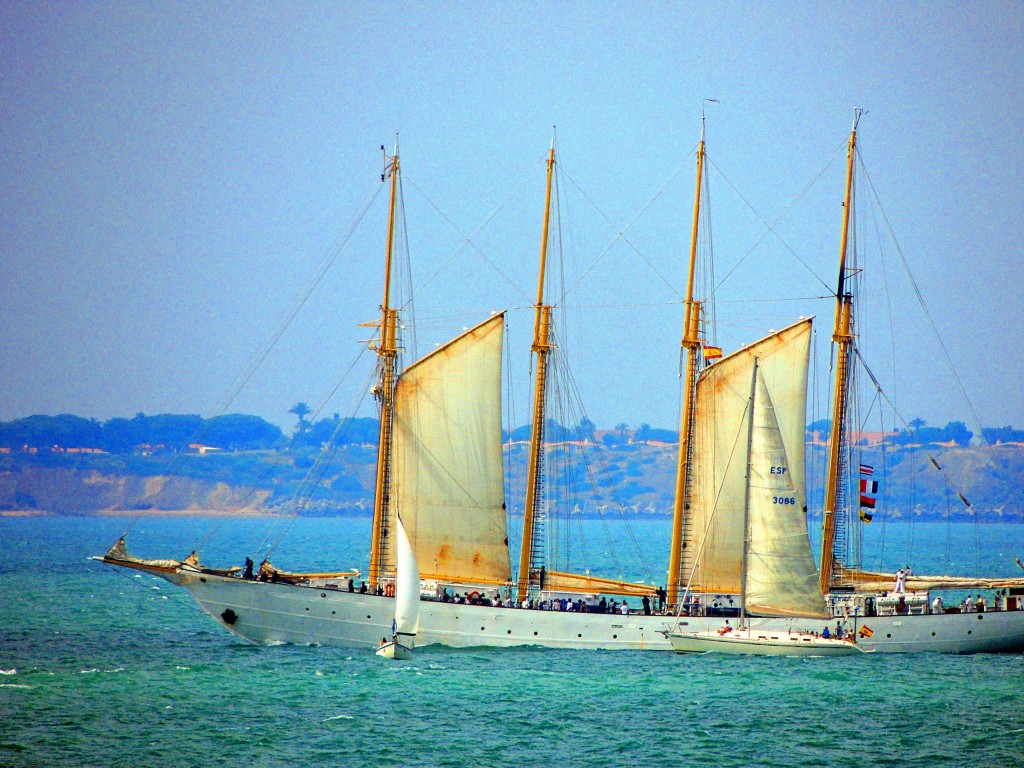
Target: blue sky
x,y
173,174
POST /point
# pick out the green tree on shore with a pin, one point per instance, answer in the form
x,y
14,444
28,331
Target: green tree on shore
x,y
301,410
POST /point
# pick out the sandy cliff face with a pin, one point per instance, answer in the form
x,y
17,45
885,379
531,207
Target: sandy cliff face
x,y
74,491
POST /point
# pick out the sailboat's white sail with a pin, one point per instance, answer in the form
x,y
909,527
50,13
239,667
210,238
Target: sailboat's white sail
x,y
447,477
782,579
407,586
713,540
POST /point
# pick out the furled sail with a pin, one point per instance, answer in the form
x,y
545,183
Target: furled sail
x,y
782,579
447,476
407,585
713,536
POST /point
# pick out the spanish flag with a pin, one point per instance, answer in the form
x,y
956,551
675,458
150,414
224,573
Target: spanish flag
x,y
712,353
865,631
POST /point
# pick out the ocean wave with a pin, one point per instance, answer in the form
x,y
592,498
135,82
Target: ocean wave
x,y
338,717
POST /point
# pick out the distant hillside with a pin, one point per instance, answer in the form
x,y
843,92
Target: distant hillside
x,y
638,476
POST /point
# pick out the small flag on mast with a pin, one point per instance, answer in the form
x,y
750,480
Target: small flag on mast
x,y
868,489
712,353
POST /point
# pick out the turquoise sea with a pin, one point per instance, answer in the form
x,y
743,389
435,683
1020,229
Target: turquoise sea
x,y
104,668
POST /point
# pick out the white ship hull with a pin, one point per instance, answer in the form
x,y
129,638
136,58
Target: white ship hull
x,y
269,614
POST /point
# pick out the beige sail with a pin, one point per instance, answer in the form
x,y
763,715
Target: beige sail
x,y
782,579
713,541
447,476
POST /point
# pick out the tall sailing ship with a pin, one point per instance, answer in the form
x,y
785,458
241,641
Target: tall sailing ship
x,y
440,471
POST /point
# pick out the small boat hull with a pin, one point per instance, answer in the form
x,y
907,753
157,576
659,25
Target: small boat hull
x,y
760,643
395,651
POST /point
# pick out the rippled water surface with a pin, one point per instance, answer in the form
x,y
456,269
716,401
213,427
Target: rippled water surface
x,y
103,668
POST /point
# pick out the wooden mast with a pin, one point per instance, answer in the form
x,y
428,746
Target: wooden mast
x,y
691,343
843,339
541,347
387,353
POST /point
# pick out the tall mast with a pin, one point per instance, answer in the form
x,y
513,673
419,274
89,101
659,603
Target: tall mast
x,y
746,498
387,353
541,347
843,339
691,343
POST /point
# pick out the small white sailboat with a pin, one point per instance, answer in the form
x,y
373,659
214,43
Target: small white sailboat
x,y
407,602
775,572
754,641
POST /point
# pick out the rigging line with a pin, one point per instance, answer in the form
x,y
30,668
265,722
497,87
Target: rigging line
x,y
584,459
885,488
260,354
770,228
565,308
297,303
878,387
888,294
881,393
172,595
404,230
271,469
300,496
468,240
575,307
621,233
573,390
924,307
775,301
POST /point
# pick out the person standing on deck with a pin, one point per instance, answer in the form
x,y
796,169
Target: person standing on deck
x,y
662,595
901,578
